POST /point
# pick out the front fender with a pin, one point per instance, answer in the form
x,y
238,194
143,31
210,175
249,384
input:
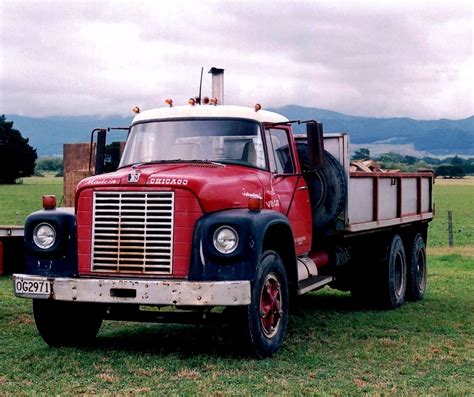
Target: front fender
x,y
60,259
208,264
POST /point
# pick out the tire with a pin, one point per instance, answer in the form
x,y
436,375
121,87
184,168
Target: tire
x,y
394,275
327,188
67,323
417,270
267,315
380,275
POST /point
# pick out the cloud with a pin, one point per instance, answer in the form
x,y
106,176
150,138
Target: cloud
x,y
94,57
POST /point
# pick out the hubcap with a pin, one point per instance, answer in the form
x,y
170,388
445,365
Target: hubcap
x,y
270,305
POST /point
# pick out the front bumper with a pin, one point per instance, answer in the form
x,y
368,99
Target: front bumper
x,y
144,292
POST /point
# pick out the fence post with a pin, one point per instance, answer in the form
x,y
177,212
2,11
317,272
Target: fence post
x,y
450,229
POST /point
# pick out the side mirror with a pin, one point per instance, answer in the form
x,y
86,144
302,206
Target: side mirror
x,y
314,133
100,151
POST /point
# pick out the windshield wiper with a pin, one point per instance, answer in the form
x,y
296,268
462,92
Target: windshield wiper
x,y
138,164
203,162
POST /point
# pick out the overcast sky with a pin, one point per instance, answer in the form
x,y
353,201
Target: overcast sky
x,y
401,58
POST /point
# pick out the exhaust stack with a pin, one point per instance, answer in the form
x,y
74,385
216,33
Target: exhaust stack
x,y
218,84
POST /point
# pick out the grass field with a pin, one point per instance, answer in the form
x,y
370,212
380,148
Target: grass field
x,y
332,347
20,200
458,197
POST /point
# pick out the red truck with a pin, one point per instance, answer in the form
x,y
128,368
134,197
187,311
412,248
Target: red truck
x,y
222,206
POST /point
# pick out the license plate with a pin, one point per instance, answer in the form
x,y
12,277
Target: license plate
x,y
33,287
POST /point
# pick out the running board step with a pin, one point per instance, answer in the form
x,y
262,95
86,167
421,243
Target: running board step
x,y
312,283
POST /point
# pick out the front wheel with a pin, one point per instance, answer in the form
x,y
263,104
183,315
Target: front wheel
x,y
67,323
267,315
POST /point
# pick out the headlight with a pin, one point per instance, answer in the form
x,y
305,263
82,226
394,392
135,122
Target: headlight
x,y
44,236
226,240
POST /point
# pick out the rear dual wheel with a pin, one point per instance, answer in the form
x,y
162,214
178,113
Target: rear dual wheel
x,y
380,275
417,269
406,274
395,275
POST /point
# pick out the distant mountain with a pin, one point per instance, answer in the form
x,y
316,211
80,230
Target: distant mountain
x,y
439,137
48,134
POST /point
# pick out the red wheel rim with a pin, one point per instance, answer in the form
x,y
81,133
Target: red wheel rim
x,y
270,305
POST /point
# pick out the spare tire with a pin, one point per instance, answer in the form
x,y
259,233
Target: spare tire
x,y
327,188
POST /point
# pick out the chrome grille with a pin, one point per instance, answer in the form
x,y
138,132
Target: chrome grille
x,y
133,232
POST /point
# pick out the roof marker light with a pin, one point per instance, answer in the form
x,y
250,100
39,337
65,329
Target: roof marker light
x,y
213,101
169,102
136,109
205,100
258,107
192,101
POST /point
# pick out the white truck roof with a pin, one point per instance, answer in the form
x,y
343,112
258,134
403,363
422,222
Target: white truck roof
x,y
262,116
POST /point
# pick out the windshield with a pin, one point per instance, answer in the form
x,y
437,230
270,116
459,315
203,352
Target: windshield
x,y
223,141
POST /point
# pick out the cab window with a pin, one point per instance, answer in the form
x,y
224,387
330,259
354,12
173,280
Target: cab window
x,y
279,151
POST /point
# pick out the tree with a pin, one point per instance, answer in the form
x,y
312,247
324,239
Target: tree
x,y
410,160
50,164
17,157
432,160
450,171
361,154
457,161
391,157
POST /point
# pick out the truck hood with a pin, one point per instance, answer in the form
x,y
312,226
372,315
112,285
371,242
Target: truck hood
x,y
216,186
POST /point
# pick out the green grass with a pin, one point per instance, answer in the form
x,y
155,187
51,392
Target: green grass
x,y
458,197
331,348
20,200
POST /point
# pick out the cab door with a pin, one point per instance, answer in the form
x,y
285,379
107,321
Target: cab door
x,y
288,192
